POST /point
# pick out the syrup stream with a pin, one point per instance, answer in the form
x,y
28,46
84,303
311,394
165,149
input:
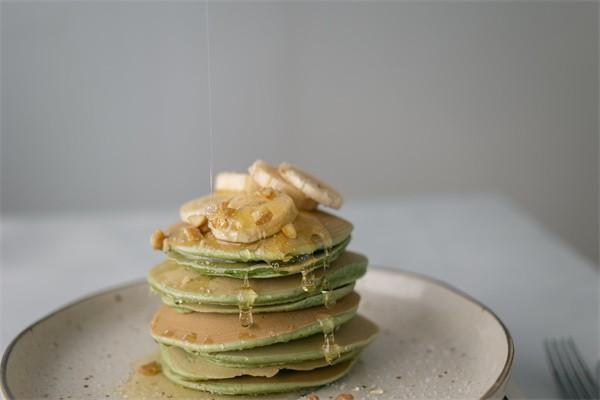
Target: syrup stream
x,y
246,298
210,100
331,351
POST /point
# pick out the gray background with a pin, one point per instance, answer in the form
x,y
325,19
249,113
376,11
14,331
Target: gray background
x,y
104,105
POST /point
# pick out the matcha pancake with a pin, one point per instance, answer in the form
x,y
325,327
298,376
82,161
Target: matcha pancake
x,y
307,302
350,337
194,367
315,230
258,287
261,269
284,381
209,332
177,284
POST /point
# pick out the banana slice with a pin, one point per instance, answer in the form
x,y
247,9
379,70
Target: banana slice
x,y
267,176
312,187
248,217
242,217
205,206
235,181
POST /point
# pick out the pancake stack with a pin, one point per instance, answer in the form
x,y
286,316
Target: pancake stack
x,y
258,287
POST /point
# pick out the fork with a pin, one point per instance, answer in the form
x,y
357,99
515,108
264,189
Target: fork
x,y
570,372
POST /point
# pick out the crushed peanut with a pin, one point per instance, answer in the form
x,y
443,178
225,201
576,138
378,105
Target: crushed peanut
x,y
205,229
157,239
192,234
262,216
152,368
225,210
197,220
312,397
289,230
344,396
219,222
267,193
185,280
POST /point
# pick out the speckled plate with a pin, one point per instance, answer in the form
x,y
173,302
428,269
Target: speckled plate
x,y
435,342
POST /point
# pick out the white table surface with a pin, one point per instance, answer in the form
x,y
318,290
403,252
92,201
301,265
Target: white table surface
x,y
481,244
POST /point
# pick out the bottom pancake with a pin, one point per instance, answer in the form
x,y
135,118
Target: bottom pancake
x,y
194,367
284,381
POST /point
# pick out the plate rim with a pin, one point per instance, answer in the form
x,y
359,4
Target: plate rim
x,y
507,368
501,380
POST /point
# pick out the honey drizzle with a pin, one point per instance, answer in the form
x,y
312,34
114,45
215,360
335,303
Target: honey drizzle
x,y
320,235
275,265
331,350
210,99
309,283
246,297
325,238
326,291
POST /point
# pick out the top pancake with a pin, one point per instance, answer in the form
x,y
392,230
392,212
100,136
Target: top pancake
x,y
274,248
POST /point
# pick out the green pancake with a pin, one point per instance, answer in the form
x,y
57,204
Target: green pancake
x,y
210,332
194,367
352,336
284,381
186,285
261,269
276,248
307,302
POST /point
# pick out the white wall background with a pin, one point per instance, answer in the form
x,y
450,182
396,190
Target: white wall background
x,y
104,104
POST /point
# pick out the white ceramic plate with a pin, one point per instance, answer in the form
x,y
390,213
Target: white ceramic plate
x,y
435,342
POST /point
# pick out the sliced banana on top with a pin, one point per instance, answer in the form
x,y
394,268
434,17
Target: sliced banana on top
x,y
267,176
243,217
250,217
196,209
235,181
312,187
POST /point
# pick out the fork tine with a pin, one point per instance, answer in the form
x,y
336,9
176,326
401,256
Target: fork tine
x,y
560,377
587,379
572,371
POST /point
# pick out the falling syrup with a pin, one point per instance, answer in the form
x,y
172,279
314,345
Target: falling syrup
x,y
322,236
275,266
328,299
246,298
309,281
331,351
210,98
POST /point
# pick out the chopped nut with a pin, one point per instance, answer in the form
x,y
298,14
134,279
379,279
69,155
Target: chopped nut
x,y
190,337
262,216
192,234
185,280
267,193
223,205
312,397
289,230
205,229
197,220
152,368
219,222
344,396
376,390
157,239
